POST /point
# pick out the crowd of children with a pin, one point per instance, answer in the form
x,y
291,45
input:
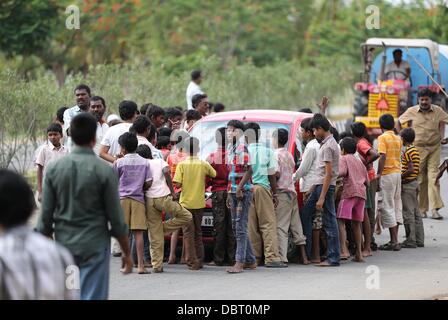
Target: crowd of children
x,y
254,196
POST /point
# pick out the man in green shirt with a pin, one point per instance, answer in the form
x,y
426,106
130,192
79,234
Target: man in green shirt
x,y
80,202
262,219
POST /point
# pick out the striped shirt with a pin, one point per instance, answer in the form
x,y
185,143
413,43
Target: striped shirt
x,y
390,145
410,155
32,267
238,160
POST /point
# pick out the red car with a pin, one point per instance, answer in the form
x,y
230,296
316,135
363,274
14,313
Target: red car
x,y
269,121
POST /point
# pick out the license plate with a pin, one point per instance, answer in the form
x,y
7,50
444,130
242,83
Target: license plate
x,y
207,221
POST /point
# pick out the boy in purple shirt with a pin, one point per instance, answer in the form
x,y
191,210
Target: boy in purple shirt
x,y
135,177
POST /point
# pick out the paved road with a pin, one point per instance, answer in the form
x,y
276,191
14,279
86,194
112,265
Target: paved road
x,y
409,274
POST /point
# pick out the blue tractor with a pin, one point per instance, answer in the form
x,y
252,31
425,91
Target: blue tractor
x,y
380,91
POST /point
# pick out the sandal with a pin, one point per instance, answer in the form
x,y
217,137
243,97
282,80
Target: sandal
x,y
390,247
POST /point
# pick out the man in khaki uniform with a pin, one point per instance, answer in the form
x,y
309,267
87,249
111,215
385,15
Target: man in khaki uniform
x,y
428,121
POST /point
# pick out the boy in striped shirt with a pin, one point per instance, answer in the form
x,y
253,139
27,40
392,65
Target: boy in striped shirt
x,y
410,167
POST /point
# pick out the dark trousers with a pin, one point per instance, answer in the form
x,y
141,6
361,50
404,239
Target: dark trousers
x,y
222,223
192,237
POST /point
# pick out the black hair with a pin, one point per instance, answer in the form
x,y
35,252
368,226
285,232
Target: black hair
x,y
345,134
255,127
193,115
144,108
96,98
425,92
16,198
192,145
306,125
197,98
282,136
218,107
173,112
128,141
348,145
155,111
165,132
387,122
127,109
179,108
306,110
335,134
320,121
54,127
237,124
141,123
359,130
144,151
397,51
83,129
408,135
196,74
220,136
82,87
60,114
152,132
163,142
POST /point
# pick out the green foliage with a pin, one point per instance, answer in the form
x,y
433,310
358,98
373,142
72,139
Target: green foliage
x,y
26,25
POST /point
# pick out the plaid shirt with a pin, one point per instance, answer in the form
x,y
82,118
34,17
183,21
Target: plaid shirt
x,y
238,162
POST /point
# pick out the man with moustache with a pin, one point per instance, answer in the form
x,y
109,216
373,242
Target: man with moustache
x,y
97,109
82,95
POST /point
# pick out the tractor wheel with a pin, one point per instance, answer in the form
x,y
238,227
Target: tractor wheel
x,y
440,100
361,103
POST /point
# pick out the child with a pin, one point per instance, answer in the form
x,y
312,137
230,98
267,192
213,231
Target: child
x,y
353,197
262,222
368,156
190,176
191,117
222,220
161,197
239,197
287,198
389,181
322,196
164,145
49,152
307,175
178,155
410,167
135,176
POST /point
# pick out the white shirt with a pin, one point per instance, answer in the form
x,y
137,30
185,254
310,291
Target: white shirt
x,y
112,135
307,171
69,114
101,129
33,267
48,153
192,90
159,187
393,67
156,153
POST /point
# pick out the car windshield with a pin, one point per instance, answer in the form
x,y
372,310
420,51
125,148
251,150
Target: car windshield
x,y
205,132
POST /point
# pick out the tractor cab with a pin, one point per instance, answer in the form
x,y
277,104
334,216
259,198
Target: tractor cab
x,y
384,90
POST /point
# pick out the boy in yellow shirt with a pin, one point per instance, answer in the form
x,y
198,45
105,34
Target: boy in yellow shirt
x,y
190,176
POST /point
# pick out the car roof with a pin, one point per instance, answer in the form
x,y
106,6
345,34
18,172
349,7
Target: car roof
x,y
262,115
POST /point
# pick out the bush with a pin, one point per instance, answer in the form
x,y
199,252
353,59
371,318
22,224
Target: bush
x,y
28,106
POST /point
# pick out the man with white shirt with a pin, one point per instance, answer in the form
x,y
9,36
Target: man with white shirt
x,y
98,108
399,69
82,95
193,87
110,150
